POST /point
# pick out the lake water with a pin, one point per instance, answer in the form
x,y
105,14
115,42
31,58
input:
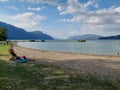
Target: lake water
x,y
100,47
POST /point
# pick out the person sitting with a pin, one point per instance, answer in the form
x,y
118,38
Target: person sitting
x,y
14,55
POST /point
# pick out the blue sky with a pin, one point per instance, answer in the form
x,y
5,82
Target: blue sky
x,y
63,18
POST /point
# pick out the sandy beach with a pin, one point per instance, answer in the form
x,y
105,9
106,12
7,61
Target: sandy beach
x,y
84,63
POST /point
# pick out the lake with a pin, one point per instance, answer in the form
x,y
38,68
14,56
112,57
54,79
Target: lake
x,y
99,47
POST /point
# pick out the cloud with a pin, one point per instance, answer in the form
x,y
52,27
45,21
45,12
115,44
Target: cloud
x,y
51,2
104,21
81,17
11,7
96,5
60,8
107,16
104,30
28,20
92,21
4,0
82,13
35,9
117,9
74,7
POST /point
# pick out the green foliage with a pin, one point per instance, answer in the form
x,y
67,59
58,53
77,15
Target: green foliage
x,y
42,40
31,40
81,41
3,34
4,50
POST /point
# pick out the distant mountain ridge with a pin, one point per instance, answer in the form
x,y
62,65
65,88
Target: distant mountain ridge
x,y
85,37
15,33
111,37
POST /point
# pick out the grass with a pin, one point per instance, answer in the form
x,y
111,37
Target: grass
x,y
4,51
43,76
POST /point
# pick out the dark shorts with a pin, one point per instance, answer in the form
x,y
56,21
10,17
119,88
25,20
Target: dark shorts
x,y
13,54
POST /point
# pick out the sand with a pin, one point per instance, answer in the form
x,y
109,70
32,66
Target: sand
x,y
84,63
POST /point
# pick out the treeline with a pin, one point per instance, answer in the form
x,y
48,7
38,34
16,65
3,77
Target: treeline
x,y
3,34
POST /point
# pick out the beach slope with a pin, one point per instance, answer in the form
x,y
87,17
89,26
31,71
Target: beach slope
x,y
84,63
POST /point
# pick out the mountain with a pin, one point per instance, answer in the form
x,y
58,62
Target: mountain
x,y
111,37
85,37
41,35
15,33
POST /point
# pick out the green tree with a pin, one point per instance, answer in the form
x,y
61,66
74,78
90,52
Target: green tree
x,y
3,34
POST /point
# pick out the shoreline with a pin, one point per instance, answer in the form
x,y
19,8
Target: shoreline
x,y
69,52
72,53
88,48
94,64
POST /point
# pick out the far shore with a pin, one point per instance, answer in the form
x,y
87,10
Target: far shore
x,y
94,64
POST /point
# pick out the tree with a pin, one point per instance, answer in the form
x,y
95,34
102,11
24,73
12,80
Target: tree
x,y
3,34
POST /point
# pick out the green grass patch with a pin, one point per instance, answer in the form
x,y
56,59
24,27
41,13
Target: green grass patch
x,y
4,50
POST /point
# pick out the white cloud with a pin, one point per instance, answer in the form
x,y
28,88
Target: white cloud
x,y
11,7
77,18
96,5
89,3
59,34
104,21
97,21
34,9
74,7
60,8
4,0
28,20
52,2
82,13
104,30
94,20
117,9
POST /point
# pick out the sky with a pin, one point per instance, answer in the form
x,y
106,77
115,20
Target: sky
x,y
63,18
